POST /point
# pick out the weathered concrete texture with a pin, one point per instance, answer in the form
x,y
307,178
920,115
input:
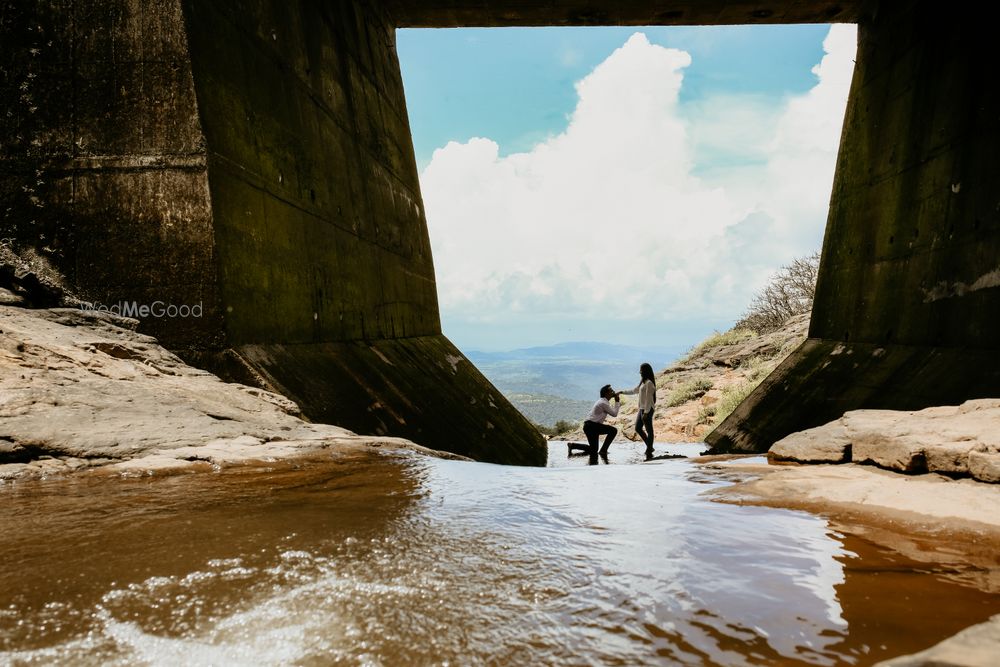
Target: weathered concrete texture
x,y
102,160
251,158
911,258
457,13
420,388
320,227
959,441
319,221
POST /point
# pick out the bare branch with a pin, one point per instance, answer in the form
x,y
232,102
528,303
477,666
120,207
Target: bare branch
x,y
790,292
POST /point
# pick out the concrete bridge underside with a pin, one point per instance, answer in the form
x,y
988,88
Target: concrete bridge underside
x,y
255,157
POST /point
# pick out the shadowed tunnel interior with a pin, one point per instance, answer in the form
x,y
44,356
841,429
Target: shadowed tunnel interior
x,y
255,158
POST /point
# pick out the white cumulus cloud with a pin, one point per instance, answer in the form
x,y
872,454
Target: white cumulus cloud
x,y
616,219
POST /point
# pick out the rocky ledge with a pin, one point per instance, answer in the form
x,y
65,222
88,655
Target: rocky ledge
x,y
957,441
977,646
81,389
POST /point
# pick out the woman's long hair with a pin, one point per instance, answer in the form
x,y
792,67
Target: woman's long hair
x,y
646,372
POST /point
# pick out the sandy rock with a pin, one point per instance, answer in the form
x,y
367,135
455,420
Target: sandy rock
x,y
948,439
736,354
8,298
948,457
927,499
978,646
897,452
79,389
984,465
827,445
978,404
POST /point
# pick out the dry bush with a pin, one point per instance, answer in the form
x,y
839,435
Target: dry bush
x,y
735,335
790,292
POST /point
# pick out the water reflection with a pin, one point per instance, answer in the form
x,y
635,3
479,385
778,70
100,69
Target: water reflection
x,y
422,561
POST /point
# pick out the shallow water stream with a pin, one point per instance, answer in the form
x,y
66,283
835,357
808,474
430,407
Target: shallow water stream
x,y
393,560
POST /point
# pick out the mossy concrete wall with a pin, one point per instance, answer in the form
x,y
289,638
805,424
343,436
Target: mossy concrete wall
x,y
318,217
253,158
102,159
324,261
907,310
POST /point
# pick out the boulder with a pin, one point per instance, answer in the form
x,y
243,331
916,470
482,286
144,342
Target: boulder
x,y
826,444
9,298
952,440
985,465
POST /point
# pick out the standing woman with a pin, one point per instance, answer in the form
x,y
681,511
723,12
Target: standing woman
x,y
647,401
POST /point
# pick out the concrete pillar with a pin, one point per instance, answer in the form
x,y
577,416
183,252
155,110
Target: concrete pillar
x,y
907,309
253,158
103,162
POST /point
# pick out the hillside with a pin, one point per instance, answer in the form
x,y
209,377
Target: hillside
x,y
555,383
699,391
547,410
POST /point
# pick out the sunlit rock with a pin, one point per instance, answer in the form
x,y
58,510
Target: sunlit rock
x,y
952,440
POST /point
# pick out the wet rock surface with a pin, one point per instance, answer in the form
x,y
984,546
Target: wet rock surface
x,y
978,646
931,518
82,389
959,440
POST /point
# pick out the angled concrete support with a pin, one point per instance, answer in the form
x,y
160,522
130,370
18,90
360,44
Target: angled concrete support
x,y
907,310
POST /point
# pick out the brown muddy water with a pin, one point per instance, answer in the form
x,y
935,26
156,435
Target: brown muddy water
x,y
404,560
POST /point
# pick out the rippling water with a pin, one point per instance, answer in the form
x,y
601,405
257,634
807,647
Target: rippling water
x,y
406,560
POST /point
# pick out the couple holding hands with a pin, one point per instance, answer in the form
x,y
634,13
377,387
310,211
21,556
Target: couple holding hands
x,y
594,426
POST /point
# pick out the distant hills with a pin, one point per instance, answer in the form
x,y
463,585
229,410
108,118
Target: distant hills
x,y
562,381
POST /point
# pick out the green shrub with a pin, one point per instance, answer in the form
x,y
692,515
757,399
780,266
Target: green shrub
x,y
759,367
731,397
564,426
706,414
720,339
688,391
544,430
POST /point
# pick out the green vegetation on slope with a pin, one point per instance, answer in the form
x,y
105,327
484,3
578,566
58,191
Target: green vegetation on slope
x,y
688,391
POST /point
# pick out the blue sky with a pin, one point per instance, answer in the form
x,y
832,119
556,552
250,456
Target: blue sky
x,y
547,153
516,85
